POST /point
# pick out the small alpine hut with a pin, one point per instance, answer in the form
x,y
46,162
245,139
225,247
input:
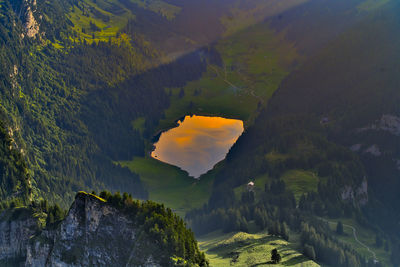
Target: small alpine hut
x,y
250,186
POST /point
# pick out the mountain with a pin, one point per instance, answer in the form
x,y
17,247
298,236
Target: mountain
x,y
329,134
76,74
86,85
352,83
114,231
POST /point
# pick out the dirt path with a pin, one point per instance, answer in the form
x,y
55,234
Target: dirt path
x,y
356,238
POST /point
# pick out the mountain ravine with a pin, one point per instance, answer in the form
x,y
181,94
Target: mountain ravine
x,y
94,233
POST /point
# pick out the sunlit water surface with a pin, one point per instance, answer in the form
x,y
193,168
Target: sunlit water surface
x,y
198,143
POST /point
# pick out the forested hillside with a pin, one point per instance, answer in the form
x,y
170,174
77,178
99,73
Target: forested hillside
x,y
355,92
14,179
76,75
70,99
328,136
41,99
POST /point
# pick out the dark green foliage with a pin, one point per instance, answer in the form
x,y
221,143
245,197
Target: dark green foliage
x,y
93,27
326,248
181,93
274,212
378,241
351,98
14,177
41,99
54,215
339,228
309,252
275,256
163,226
284,231
386,246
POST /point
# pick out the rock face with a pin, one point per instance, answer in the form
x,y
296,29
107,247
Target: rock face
x,y
358,195
388,123
14,237
93,234
31,25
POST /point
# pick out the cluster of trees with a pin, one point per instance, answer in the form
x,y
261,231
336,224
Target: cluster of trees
x,y
14,176
54,213
270,211
275,210
275,256
319,245
162,226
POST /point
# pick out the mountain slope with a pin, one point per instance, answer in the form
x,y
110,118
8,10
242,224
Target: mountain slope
x,y
76,74
14,176
342,99
354,84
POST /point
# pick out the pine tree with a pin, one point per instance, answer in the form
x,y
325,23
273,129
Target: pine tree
x,y
284,231
339,228
181,93
378,241
309,252
275,256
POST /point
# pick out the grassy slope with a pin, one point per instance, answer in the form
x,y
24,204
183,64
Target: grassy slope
x,y
364,235
170,185
255,63
238,19
298,181
110,16
249,250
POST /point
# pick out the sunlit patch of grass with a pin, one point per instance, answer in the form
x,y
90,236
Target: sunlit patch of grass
x,y
139,124
243,249
259,186
110,17
300,182
57,45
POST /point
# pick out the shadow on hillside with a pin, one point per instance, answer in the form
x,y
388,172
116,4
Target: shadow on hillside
x,y
295,260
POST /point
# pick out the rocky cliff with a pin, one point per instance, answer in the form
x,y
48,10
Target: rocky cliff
x,y
94,233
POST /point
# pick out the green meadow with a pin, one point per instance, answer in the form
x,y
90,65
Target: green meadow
x,y
170,185
255,61
102,20
243,249
298,181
